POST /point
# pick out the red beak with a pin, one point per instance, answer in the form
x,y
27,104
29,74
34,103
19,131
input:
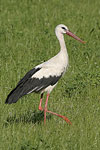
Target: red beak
x,y
74,36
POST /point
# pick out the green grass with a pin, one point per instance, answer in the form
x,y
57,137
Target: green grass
x,y
27,38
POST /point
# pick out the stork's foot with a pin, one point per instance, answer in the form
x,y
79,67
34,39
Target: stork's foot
x,y
63,117
67,120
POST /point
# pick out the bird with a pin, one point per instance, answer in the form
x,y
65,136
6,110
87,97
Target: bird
x,y
44,77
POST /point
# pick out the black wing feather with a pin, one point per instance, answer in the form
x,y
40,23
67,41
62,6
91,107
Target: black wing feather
x,y
28,75
37,85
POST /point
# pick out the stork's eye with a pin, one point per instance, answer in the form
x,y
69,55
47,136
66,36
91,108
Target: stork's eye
x,y
63,28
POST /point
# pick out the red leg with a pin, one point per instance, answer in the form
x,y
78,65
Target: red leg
x,y
45,109
40,107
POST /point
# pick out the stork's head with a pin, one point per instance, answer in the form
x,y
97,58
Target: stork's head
x,y
62,29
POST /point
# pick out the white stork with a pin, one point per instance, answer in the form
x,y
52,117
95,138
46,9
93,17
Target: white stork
x,y
44,77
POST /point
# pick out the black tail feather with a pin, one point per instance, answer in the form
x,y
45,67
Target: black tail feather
x,y
14,95
21,88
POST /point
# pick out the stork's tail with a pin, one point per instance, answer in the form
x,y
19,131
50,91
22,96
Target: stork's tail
x,y
14,95
23,87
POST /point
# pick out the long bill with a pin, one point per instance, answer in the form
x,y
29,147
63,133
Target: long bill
x,y
74,36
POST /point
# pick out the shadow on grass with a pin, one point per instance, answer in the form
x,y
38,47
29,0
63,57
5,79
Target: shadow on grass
x,y
28,117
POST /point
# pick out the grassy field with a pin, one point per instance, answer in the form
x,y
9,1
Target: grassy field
x,y
27,38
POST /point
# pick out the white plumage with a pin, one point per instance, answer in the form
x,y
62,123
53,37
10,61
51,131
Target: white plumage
x,y
57,65
44,77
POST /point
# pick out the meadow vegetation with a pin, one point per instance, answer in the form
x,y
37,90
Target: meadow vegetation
x,y
27,39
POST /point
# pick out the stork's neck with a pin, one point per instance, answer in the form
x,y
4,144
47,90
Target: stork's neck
x,y
61,41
